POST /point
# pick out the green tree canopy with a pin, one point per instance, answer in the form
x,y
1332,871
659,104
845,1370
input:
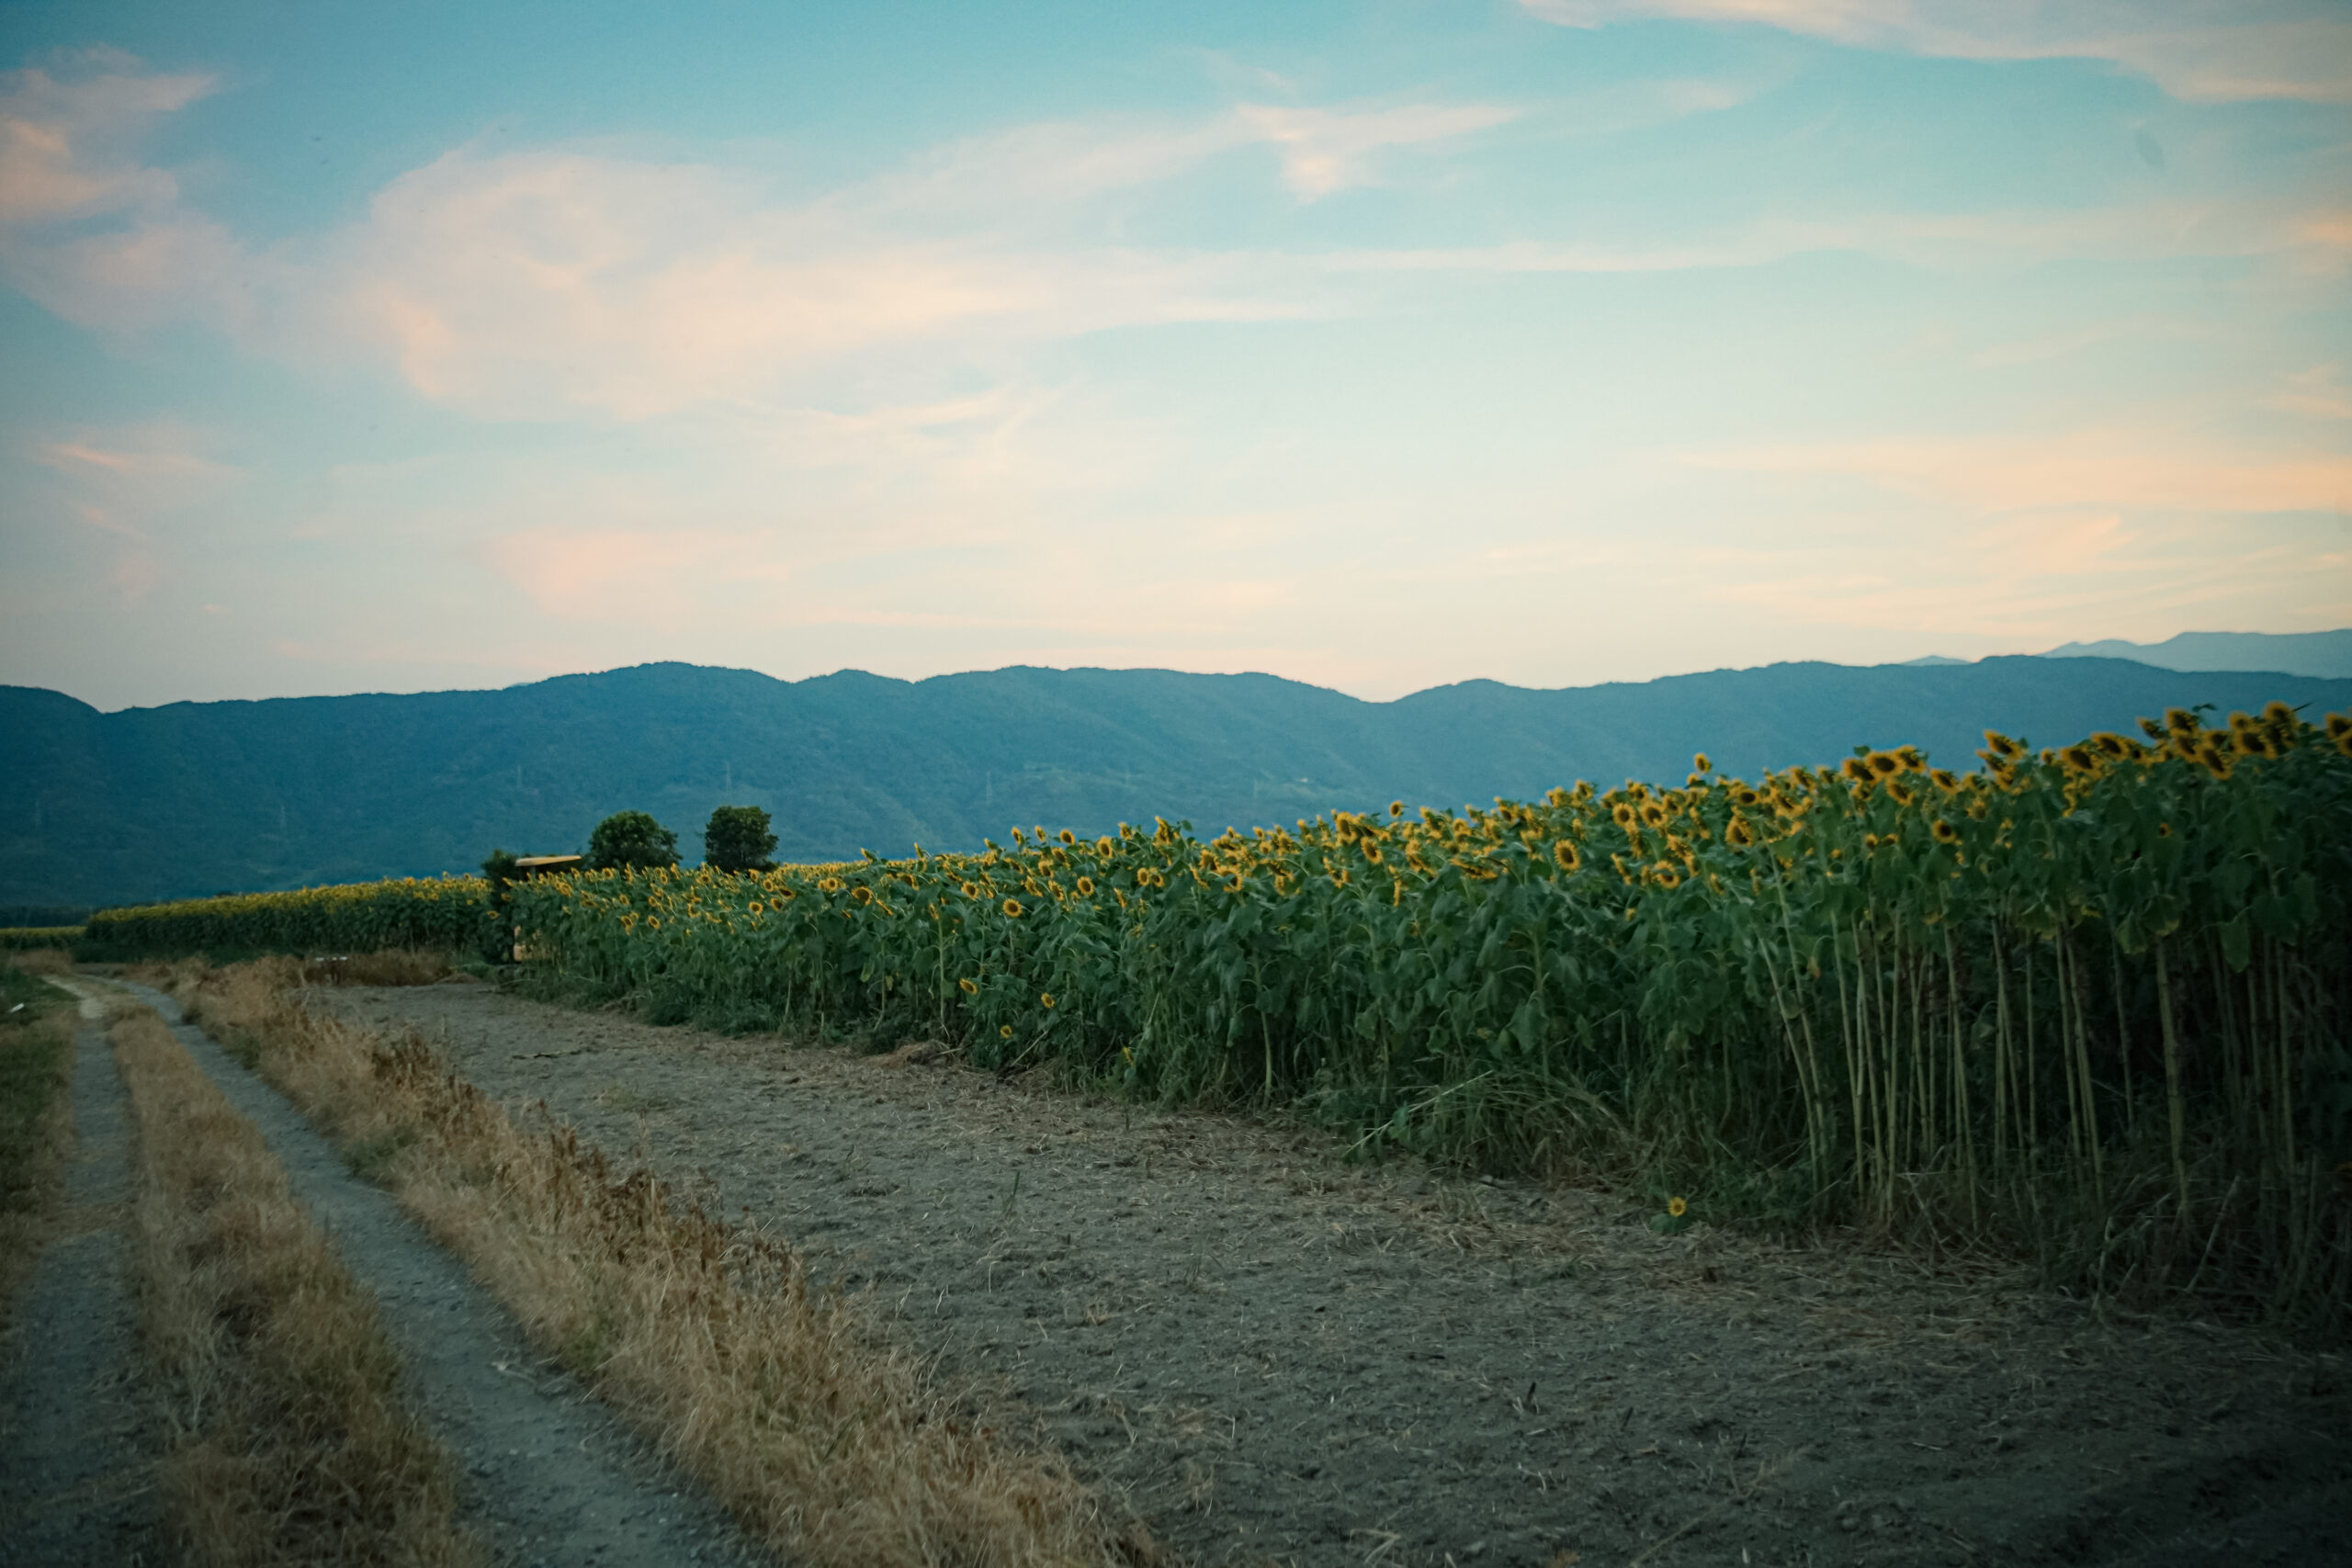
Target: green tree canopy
x,y
631,839
738,838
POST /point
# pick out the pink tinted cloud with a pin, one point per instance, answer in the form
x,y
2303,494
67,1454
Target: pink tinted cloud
x,y
64,138
2193,48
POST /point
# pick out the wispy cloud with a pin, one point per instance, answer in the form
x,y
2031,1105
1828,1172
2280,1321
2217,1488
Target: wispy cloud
x,y
2319,392
2195,49
67,138
2140,469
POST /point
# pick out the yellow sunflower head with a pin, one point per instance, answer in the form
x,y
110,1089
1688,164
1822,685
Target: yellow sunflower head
x,y
1857,770
1945,833
1677,1207
1086,887
1012,908
1884,764
2001,746
1566,855
1621,814
1045,998
1069,838
1701,765
1653,814
1005,1031
969,987
863,895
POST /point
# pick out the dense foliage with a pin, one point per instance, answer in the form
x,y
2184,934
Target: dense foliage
x,y
445,914
738,838
631,840
2092,1000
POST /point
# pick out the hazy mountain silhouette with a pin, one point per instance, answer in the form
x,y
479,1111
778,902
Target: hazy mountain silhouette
x,y
200,797
2327,655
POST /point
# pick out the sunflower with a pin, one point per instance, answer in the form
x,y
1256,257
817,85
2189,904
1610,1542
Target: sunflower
x,y
970,987
973,890
1857,770
829,885
863,895
1005,1031
1884,764
1396,809
1235,882
1663,875
2339,726
2001,746
1739,835
1653,814
1700,764
1621,814
756,907
1945,833
1069,838
1565,855
1370,852
2078,758
1012,908
1677,1207
2112,745
1045,998
1086,887
1944,780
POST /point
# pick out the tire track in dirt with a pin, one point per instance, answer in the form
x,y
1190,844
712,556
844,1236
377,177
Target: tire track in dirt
x,y
1273,1357
549,1476
77,1446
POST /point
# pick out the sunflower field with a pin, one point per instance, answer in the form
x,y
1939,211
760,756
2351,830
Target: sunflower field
x,y
22,937
2091,1001
438,913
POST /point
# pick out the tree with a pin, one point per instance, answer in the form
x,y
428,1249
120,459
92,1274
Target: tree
x,y
738,839
629,839
498,935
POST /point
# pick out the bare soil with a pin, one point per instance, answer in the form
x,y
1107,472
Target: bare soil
x,y
1272,1355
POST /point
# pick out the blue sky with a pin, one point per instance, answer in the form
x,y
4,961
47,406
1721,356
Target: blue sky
x,y
1377,345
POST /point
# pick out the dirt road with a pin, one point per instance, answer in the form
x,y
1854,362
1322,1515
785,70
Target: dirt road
x,y
1275,1357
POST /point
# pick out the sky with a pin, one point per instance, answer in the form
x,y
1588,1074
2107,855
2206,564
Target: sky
x,y
1378,345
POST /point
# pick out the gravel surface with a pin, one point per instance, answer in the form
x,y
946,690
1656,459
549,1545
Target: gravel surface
x,y
77,1439
1271,1355
551,1476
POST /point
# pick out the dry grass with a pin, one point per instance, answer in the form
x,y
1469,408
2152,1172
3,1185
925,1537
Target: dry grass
x,y
393,967
35,1116
828,1443
44,960
290,1445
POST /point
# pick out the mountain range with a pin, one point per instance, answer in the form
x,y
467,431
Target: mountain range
x,y
201,797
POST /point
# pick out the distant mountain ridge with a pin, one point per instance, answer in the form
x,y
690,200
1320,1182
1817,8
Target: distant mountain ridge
x,y
2324,655
201,797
